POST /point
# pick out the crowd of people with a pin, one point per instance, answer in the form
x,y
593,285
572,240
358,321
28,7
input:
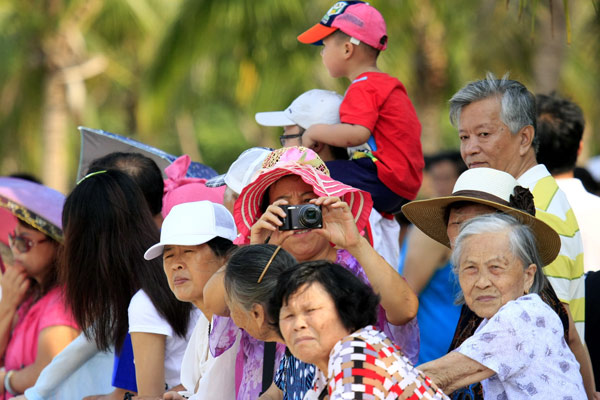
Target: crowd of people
x,y
311,271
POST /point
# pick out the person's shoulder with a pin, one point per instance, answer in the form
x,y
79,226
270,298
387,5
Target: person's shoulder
x,y
358,338
141,309
363,338
139,300
526,310
53,299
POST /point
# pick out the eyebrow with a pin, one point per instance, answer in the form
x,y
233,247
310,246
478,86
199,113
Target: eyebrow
x,y
500,259
480,126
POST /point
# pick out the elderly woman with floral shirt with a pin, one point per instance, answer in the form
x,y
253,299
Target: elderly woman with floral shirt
x,y
518,350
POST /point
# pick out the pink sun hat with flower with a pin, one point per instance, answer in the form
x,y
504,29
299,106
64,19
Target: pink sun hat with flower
x,y
180,189
306,164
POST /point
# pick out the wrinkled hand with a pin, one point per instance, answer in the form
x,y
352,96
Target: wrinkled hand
x,y
268,226
14,283
338,222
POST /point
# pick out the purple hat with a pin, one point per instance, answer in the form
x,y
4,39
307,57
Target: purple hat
x,y
35,204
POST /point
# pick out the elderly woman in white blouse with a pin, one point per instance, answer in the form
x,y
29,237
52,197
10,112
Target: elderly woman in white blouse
x,y
519,350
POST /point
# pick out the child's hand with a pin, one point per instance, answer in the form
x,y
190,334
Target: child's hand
x,y
307,141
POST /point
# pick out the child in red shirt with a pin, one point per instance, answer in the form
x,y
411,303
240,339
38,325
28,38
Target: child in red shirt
x,y
376,112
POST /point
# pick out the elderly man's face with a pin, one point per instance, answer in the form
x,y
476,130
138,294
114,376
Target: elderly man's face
x,y
485,141
490,275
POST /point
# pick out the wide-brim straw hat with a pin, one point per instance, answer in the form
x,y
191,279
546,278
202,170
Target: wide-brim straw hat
x,y
485,186
306,164
34,204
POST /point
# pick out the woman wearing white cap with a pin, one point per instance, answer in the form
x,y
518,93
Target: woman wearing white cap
x,y
194,243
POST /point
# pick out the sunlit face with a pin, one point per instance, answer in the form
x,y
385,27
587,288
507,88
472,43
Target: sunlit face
x,y
332,55
188,268
462,214
486,141
310,325
490,275
303,244
38,259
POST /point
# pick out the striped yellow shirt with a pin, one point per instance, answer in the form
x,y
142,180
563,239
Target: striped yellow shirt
x,y
566,272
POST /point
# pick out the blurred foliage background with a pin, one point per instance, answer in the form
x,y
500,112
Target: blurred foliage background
x,y
187,76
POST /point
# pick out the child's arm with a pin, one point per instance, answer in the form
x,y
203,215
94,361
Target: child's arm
x,y
340,135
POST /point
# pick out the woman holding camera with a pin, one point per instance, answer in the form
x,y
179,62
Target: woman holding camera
x,y
297,176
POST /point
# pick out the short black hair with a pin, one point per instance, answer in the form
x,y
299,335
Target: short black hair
x,y
589,183
560,126
141,169
26,176
355,301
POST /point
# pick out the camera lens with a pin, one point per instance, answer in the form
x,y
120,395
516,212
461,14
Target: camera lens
x,y
310,216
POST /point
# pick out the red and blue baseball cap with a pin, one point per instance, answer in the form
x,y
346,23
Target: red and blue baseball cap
x,y
356,19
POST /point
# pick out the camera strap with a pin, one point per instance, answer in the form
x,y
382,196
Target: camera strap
x,y
268,365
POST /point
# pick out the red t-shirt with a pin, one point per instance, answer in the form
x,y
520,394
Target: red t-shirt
x,y
379,102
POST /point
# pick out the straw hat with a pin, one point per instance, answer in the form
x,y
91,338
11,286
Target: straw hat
x,y
489,187
306,164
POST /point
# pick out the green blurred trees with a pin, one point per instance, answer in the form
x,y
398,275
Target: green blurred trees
x,y
188,75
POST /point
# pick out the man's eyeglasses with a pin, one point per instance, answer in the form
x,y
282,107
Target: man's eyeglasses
x,y
285,137
22,243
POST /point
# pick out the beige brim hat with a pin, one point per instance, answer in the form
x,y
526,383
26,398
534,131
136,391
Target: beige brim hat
x,y
485,186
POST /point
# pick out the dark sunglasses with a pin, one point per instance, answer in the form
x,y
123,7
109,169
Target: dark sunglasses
x,y
284,137
21,243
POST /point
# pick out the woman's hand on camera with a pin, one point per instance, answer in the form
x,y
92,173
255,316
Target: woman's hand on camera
x,y
338,222
267,227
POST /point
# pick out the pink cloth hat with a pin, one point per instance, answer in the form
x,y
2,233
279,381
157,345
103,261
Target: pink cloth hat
x,y
307,165
356,19
35,204
179,189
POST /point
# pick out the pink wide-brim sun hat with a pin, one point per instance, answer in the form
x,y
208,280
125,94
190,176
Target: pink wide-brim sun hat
x,y
306,164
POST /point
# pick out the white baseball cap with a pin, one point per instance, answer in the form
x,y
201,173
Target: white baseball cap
x,y
191,224
242,170
316,106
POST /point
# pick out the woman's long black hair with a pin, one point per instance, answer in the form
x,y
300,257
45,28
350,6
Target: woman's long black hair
x,y
108,226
